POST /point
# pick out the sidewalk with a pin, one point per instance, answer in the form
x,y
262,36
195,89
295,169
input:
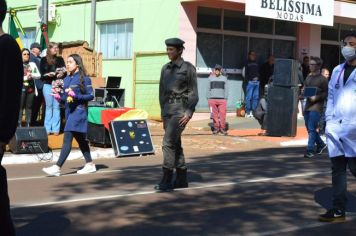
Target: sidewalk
x,y
240,129
249,128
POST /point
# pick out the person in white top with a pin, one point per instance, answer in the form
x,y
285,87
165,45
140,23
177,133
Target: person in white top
x,y
29,90
340,129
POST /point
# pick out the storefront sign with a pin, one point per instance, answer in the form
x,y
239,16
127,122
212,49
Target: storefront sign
x,y
305,11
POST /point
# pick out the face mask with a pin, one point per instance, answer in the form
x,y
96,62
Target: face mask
x,y
349,53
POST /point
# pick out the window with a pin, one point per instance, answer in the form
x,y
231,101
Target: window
x,y
262,47
345,29
330,33
330,44
209,50
209,18
116,39
283,49
235,52
28,38
235,20
230,44
287,28
261,25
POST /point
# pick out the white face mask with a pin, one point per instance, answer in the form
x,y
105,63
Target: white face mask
x,y
349,53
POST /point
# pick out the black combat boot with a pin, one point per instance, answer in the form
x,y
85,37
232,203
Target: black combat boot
x,y
181,179
166,183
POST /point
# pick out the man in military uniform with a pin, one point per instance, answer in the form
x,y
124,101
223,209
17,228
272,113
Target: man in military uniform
x,y
178,96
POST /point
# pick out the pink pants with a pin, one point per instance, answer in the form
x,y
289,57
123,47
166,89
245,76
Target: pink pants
x,y
218,108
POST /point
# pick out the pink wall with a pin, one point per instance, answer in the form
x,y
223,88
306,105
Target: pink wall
x,y
188,22
187,30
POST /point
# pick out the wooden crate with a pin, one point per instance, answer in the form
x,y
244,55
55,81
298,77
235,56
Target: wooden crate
x,y
92,60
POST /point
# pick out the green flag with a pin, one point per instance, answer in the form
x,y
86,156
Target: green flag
x,y
14,33
44,36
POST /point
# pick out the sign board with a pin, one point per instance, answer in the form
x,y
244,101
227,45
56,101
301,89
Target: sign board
x,y
130,137
303,11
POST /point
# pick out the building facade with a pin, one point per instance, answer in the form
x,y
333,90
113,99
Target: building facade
x,y
131,33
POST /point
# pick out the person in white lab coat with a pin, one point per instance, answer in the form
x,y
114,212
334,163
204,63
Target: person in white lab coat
x,y
340,130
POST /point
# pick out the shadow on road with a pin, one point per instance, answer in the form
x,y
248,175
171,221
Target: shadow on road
x,y
52,223
324,198
237,209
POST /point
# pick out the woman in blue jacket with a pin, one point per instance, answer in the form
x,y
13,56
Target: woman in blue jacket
x,y
77,92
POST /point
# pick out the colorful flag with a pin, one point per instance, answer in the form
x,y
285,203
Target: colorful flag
x,y
13,29
44,37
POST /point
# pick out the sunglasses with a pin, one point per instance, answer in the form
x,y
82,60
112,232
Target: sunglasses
x,y
25,54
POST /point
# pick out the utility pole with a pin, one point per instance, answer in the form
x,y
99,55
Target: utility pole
x,y
45,11
93,24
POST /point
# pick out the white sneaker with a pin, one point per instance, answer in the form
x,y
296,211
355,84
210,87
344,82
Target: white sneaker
x,y
52,170
88,168
248,115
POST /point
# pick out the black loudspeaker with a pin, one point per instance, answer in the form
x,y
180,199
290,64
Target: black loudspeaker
x,y
285,72
98,134
131,137
29,140
282,105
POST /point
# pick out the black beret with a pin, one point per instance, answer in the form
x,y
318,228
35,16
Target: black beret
x,y
174,42
218,67
35,45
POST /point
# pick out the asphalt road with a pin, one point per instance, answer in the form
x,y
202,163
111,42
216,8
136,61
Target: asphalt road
x,y
246,188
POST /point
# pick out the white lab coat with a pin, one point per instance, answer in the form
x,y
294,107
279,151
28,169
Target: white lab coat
x,y
340,114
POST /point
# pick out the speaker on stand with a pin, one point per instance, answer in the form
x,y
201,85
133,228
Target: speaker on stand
x,y
28,140
282,99
282,111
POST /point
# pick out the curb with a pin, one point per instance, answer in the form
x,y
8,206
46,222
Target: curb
x,y
75,154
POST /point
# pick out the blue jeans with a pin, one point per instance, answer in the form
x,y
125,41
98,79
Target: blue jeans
x,y
339,179
67,146
252,95
52,113
312,119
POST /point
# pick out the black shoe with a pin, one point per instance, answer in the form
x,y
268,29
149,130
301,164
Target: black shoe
x,y
320,150
166,183
309,154
223,132
164,187
333,215
215,132
181,179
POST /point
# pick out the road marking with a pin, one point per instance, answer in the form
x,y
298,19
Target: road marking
x,y
133,169
138,193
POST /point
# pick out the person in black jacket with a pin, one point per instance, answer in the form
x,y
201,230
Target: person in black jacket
x,y
38,99
266,72
52,68
252,77
11,76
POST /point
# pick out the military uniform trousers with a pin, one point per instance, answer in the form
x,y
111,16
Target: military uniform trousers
x,y
172,145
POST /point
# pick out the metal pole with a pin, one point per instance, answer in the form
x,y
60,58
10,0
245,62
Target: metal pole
x,y
45,11
9,25
92,24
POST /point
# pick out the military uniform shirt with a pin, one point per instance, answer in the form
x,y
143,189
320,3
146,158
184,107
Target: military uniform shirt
x,y
178,92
